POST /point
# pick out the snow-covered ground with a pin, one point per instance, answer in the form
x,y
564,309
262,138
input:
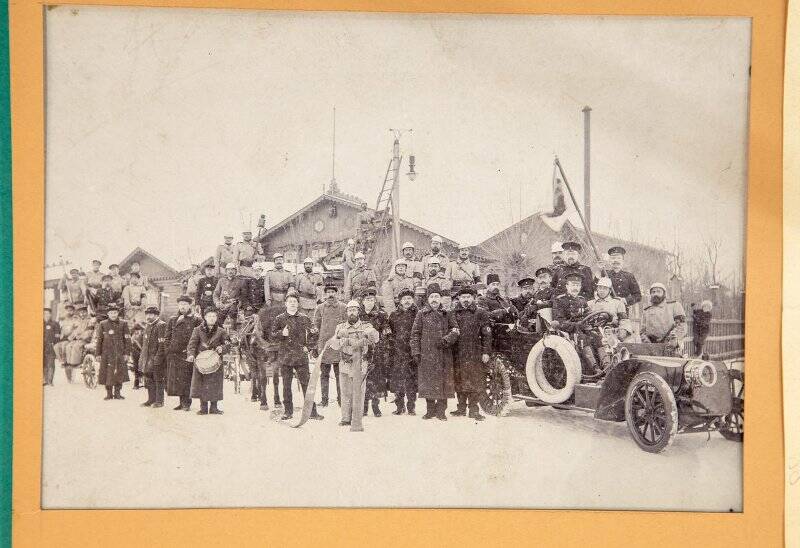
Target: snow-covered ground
x,y
114,454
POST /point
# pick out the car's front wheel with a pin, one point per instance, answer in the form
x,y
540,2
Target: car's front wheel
x,y
733,424
651,412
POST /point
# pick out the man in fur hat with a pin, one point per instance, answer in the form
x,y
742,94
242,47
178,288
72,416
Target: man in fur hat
x,y
472,351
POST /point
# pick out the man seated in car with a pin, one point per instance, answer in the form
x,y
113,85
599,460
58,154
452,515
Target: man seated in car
x,y
663,321
569,310
605,302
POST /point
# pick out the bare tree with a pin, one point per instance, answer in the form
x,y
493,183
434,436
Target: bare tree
x,y
712,246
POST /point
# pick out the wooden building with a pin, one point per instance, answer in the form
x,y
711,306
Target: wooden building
x,y
525,246
321,230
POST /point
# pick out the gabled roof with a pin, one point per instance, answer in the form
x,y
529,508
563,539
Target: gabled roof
x,y
139,252
350,201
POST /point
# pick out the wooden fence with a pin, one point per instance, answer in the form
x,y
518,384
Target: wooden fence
x,y
725,339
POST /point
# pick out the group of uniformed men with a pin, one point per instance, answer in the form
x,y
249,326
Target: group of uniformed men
x,y
429,335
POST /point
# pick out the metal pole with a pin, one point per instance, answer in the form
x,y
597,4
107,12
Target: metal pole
x,y
396,200
587,188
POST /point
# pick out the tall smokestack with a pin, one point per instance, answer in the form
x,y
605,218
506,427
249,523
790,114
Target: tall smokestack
x,y
587,189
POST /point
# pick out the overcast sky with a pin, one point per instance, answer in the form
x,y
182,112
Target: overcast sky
x,y
167,128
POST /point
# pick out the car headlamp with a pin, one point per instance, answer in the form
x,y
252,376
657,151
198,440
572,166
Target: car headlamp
x,y
700,373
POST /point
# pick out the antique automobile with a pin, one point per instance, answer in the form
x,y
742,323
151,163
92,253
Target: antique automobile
x,y
658,395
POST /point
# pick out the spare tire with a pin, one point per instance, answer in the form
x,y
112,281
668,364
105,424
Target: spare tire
x,y
541,364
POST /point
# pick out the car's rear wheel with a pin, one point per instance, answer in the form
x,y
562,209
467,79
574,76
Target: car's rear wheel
x,y
651,412
733,424
498,386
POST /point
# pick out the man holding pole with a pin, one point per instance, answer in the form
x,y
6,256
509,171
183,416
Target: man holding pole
x,y
353,338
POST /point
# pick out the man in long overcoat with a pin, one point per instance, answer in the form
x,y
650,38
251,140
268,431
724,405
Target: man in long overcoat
x,y
403,378
471,352
152,360
179,370
209,335
113,346
51,334
376,380
432,336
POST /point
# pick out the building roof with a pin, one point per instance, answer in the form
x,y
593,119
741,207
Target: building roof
x,y
137,254
348,200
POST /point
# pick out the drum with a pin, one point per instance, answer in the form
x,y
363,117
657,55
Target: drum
x,y
207,362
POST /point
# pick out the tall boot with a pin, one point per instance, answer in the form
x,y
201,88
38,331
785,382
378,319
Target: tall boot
x,y
187,403
109,395
366,407
203,408
430,410
159,394
474,413
411,404
118,392
277,399
441,408
214,409
151,393
324,380
376,407
398,401
461,407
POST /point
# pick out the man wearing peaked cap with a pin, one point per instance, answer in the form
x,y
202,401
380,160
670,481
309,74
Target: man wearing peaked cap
x,y
327,315
569,309
572,265
625,285
403,373
557,253
179,369
72,288
542,297
204,297
94,277
152,359
112,343
361,277
106,295
471,353
527,286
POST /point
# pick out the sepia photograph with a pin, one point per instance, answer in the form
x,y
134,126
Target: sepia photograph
x,y
387,260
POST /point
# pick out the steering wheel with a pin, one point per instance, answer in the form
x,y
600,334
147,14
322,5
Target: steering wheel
x,y
596,319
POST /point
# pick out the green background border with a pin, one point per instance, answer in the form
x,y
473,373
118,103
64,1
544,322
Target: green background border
x,y
6,289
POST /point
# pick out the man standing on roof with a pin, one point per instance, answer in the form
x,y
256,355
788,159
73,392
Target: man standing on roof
x,y
571,265
414,270
361,277
230,293
625,285
204,296
277,281
436,252
117,281
248,248
348,261
72,289
396,282
436,275
463,272
309,286
94,278
223,255
134,298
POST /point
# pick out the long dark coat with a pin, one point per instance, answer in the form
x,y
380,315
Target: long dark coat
x,y
113,343
207,387
152,360
377,354
403,367
474,340
179,371
432,336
